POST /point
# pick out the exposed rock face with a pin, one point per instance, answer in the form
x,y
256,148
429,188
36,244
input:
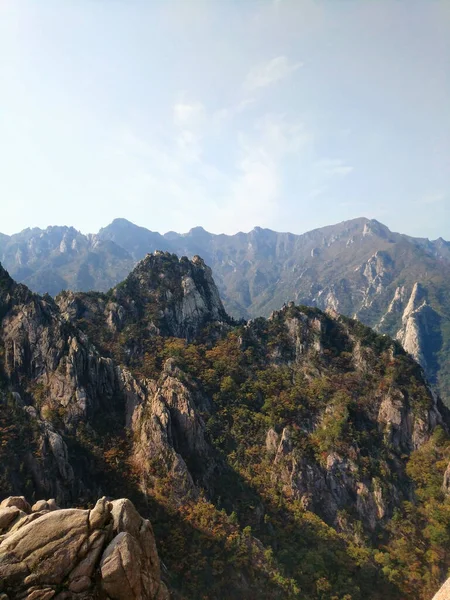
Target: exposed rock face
x,y
446,482
168,430
336,483
418,323
444,592
377,271
327,489
183,290
55,373
331,485
108,552
358,268
333,413
169,296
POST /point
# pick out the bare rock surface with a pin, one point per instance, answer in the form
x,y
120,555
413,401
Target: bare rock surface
x,y
107,552
444,592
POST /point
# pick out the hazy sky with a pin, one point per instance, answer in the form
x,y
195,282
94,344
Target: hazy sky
x,y
288,114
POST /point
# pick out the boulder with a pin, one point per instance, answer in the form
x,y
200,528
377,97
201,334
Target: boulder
x,y
18,502
7,516
44,505
444,592
75,554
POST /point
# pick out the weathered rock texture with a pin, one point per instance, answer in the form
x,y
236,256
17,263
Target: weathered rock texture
x,y
59,381
166,295
358,268
336,482
144,388
444,592
107,553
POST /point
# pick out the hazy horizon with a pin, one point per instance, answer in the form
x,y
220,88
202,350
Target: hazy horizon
x,y
285,114
218,232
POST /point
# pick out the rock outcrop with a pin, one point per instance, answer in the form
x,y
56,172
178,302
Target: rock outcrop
x,y
336,482
357,267
169,433
444,592
169,296
152,389
107,552
59,381
419,329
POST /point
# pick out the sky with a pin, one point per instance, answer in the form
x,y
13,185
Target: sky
x,y
226,114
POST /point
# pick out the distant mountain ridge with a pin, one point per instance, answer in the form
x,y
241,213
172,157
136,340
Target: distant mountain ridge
x,y
397,284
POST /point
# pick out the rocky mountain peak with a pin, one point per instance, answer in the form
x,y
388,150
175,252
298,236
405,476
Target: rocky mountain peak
x,y
161,265
171,235
419,320
373,227
274,441
261,232
121,223
122,229
163,295
417,298
136,240
198,232
358,267
179,293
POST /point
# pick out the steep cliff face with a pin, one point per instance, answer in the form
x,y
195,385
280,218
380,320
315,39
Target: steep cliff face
x,y
108,552
335,480
358,268
168,435
164,294
419,332
264,445
55,379
180,293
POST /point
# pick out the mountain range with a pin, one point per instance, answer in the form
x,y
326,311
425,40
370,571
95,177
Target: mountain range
x,y
300,456
397,284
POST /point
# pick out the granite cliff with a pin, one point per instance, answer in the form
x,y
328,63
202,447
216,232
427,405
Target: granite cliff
x,y
285,457
392,282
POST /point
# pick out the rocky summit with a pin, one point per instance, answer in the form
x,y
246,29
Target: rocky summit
x,y
106,552
394,283
303,455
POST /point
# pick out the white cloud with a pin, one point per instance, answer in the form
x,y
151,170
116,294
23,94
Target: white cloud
x,y
334,167
269,73
188,114
433,198
229,112
189,119
158,170
256,193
